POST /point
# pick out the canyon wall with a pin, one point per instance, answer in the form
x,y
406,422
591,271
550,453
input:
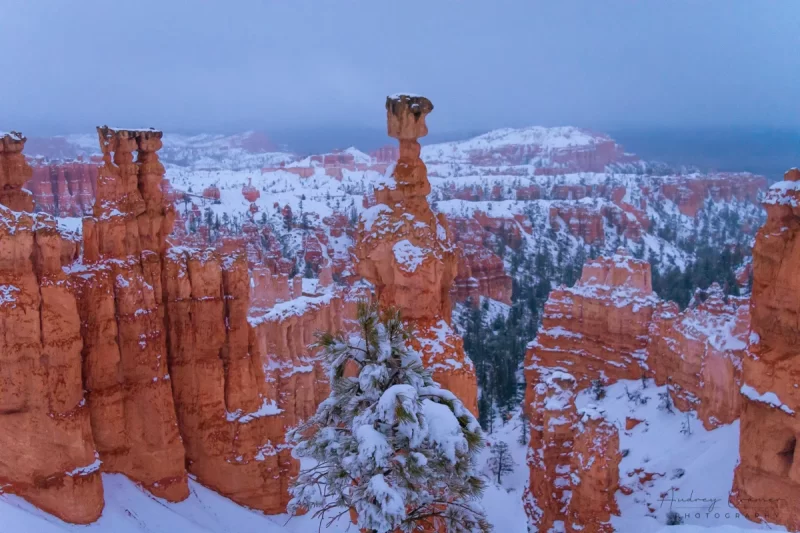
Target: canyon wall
x,y
119,289
767,479
47,450
241,379
407,252
65,189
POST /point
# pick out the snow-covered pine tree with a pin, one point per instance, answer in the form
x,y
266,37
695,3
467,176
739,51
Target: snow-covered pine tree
x,y
501,463
389,443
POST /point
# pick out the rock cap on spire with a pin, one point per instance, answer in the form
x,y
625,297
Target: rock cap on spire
x,y
405,115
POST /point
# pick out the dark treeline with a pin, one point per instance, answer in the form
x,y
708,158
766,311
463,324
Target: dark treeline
x,y
712,264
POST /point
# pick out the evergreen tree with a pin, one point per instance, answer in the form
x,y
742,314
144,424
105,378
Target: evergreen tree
x,y
389,443
500,463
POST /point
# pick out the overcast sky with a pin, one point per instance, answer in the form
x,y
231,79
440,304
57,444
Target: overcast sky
x,y
222,66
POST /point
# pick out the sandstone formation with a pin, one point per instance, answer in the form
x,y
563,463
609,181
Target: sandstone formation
x,y
119,287
239,381
586,219
767,479
598,328
698,354
250,193
14,172
187,362
47,452
583,221
480,272
611,326
407,253
65,189
595,462
690,192
573,460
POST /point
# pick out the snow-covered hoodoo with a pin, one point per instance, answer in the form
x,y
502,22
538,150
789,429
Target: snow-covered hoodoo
x,y
407,253
596,330
611,327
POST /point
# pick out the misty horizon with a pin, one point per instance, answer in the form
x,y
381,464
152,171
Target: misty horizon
x,y
278,68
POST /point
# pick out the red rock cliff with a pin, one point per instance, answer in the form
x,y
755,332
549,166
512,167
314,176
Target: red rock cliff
x,y
767,479
407,253
599,327
47,453
180,370
64,189
480,272
119,286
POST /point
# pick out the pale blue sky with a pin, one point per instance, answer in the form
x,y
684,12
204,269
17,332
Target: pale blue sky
x,y
216,66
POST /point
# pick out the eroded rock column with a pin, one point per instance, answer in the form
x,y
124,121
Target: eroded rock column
x,y
122,314
47,453
407,253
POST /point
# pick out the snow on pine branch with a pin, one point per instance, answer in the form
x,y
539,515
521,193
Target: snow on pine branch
x,y
388,443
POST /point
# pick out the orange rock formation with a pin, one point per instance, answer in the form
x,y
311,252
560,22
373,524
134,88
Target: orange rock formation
x,y
698,354
480,272
406,252
14,172
119,287
611,326
767,479
594,330
47,452
64,188
574,457
598,328
181,372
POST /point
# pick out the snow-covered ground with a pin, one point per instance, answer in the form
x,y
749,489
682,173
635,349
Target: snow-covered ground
x,y
130,509
697,465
